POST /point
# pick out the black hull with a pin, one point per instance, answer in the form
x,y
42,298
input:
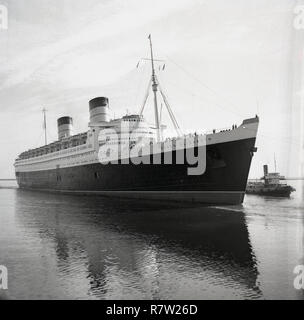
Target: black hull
x,y
224,181
284,192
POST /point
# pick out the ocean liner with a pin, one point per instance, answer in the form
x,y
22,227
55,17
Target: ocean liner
x,y
80,163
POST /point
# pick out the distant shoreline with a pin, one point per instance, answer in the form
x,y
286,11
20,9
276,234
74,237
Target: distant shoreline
x,y
8,187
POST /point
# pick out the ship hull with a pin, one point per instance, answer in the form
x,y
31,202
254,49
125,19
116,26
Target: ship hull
x,y
223,182
273,192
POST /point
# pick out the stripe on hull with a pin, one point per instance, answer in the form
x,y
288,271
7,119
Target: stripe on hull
x,y
206,197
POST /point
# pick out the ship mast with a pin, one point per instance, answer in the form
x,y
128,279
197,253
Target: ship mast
x,y
154,88
157,87
44,125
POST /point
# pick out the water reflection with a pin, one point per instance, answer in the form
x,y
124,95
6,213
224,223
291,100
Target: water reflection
x,y
100,248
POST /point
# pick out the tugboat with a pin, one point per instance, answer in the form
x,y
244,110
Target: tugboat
x,y
269,185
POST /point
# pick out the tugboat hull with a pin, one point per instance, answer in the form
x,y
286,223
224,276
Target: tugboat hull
x,y
273,192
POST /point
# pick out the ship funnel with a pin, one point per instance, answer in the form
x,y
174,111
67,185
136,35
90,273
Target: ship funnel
x,y
99,110
65,127
265,170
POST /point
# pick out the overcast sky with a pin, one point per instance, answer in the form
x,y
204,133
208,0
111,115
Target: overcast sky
x,y
225,61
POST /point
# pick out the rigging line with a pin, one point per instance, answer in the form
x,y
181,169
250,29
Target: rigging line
x,y
171,114
140,82
51,136
204,85
216,104
167,103
172,118
160,121
37,143
267,136
175,123
276,138
145,98
161,115
289,141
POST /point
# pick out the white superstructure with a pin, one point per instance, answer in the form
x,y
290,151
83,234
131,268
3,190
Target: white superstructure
x,y
83,149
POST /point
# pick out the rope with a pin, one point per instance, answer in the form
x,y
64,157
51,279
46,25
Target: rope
x,y
205,86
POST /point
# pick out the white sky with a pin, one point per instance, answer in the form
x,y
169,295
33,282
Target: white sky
x,y
225,61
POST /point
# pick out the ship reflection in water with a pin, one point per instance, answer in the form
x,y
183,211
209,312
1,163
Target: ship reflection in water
x,y
59,246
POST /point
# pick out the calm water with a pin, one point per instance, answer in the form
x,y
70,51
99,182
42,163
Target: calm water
x,y
76,247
